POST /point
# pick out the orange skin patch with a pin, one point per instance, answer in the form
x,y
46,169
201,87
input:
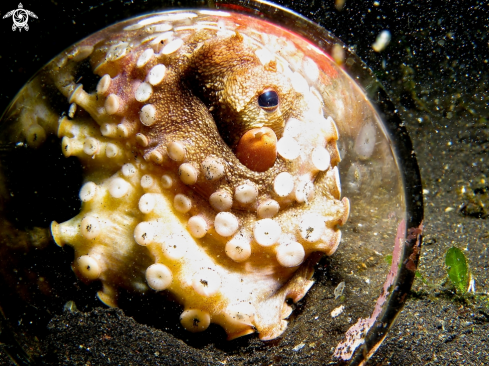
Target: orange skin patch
x,y
257,149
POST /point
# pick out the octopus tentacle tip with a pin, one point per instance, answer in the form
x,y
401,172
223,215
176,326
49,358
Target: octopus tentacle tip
x,y
107,298
209,171
257,149
56,234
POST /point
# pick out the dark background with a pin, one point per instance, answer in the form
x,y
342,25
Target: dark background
x,y
435,69
441,40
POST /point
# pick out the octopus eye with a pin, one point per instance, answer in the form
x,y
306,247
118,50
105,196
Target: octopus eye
x,y
268,100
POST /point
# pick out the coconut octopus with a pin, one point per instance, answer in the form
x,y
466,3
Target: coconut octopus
x,y
210,164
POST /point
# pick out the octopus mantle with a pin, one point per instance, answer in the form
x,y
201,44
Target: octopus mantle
x,y
209,161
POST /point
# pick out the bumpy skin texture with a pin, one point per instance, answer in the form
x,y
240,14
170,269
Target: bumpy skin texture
x,y
166,203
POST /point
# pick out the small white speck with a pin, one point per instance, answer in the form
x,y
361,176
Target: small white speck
x,y
338,291
471,286
382,41
337,311
298,347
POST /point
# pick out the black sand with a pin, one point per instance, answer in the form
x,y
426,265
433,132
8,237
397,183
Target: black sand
x,y
436,69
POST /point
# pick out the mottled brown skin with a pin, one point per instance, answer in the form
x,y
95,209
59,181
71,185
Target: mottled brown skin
x,y
215,95
230,78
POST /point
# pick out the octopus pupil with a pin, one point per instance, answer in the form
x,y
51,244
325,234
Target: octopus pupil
x,y
268,99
